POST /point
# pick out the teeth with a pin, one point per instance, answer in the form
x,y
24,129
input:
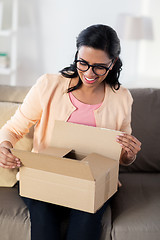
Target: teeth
x,y
89,79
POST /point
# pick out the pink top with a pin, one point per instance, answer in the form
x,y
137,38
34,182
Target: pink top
x,y
84,113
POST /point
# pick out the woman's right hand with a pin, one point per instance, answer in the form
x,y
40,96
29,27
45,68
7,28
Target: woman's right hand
x,y
7,159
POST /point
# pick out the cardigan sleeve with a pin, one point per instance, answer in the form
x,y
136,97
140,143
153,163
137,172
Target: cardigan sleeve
x,y
26,115
126,124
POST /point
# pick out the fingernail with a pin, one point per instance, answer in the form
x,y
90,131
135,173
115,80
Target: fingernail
x,y
121,134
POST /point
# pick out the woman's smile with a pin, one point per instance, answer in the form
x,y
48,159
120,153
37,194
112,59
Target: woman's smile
x,y
89,80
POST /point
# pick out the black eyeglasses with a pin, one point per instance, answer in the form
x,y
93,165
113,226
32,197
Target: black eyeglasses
x,y
98,69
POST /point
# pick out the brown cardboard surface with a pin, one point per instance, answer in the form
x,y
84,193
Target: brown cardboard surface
x,y
52,164
57,152
86,139
85,184
99,164
58,189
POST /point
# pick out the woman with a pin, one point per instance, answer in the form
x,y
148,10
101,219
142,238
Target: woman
x,y
88,92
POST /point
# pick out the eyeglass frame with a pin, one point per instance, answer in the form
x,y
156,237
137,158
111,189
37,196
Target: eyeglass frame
x,y
93,66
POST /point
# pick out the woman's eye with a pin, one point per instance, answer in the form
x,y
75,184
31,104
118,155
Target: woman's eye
x,y
100,67
83,63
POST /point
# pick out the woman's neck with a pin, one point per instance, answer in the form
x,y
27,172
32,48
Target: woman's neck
x,y
89,95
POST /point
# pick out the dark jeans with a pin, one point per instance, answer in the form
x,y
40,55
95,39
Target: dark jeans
x,y
46,222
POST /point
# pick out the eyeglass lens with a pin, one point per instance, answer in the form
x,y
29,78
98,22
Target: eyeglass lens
x,y
84,66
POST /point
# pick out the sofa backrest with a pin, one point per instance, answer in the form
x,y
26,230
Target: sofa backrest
x,y
146,127
13,94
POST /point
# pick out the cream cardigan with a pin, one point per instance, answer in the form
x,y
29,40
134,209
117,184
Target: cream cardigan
x,y
48,101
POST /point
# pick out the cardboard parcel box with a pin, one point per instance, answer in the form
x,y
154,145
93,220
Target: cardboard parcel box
x,y
79,170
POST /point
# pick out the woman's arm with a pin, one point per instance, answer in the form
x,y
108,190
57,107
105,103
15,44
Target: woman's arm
x,y
25,116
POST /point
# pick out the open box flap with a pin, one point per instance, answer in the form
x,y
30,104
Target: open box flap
x,y
53,164
100,165
55,151
86,139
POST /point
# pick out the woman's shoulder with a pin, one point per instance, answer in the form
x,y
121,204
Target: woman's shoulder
x,y
49,82
124,91
52,79
122,94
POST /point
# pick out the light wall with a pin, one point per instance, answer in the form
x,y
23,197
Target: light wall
x,y
48,30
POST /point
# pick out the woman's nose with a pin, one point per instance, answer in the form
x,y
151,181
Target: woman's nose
x,y
90,73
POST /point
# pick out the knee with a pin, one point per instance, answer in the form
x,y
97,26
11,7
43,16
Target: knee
x,y
37,208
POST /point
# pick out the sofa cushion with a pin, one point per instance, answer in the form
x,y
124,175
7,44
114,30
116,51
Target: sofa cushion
x,y
106,224
136,207
145,126
14,220
8,176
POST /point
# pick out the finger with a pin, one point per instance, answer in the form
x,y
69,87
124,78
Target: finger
x,y
7,166
126,143
129,137
129,140
9,154
8,159
6,152
129,149
119,184
5,163
4,158
129,146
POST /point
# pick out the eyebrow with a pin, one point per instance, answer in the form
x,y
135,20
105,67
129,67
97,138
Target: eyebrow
x,y
101,64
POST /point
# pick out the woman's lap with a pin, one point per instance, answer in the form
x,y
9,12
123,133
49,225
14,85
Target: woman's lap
x,y
46,219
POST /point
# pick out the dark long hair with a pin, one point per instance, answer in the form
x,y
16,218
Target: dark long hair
x,y
98,37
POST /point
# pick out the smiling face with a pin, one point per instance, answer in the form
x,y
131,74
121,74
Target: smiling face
x,y
93,57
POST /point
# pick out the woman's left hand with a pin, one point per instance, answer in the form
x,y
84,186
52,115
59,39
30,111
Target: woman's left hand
x,y
130,147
